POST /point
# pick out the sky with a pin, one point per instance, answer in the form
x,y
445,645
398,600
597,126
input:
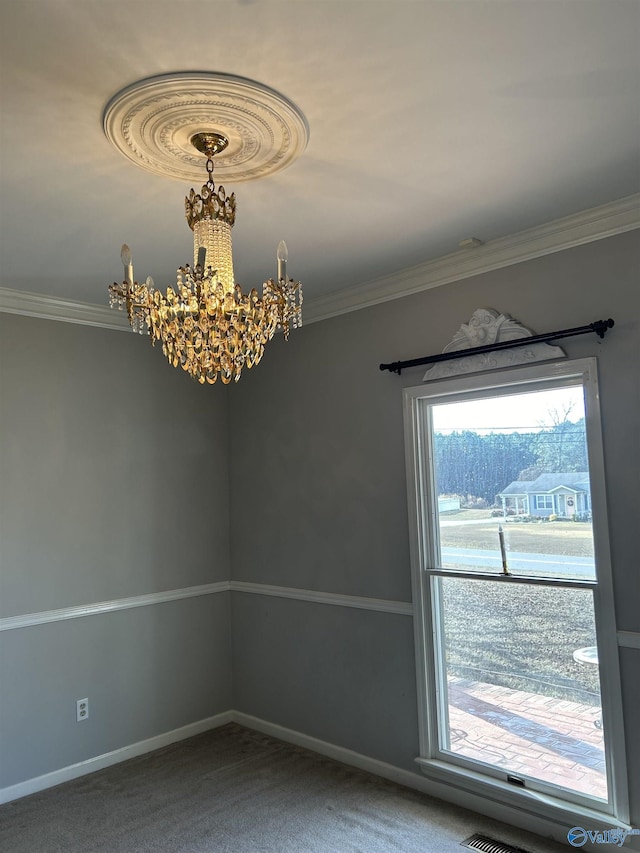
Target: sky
x,y
529,412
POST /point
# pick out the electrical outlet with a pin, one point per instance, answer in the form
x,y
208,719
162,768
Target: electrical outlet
x,y
82,710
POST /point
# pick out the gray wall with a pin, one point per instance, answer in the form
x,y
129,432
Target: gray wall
x,y
103,444
318,470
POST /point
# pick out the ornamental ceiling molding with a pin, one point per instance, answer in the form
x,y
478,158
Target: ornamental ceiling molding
x,y
594,224
487,327
152,122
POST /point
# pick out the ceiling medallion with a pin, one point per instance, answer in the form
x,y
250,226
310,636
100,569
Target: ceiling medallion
x,y
153,121
205,323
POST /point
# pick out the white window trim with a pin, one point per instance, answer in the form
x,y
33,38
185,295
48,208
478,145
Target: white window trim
x,y
423,531
537,501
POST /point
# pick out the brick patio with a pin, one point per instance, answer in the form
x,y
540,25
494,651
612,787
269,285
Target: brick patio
x,y
528,734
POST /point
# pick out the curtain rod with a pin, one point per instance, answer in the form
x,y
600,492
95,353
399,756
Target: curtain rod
x,y
599,327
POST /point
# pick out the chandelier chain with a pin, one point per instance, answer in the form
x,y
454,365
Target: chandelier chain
x,y
210,183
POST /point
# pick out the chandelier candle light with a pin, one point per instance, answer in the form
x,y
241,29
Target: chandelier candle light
x,y
207,325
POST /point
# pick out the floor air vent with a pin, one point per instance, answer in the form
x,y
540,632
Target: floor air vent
x,y
489,845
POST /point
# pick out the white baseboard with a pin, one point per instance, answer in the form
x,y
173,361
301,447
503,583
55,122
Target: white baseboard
x,y
82,768
521,818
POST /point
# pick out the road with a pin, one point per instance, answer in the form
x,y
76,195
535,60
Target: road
x,y
531,564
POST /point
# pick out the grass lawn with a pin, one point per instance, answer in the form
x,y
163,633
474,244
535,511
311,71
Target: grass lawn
x,y
570,538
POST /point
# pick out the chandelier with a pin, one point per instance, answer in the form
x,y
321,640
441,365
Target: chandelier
x,y
206,324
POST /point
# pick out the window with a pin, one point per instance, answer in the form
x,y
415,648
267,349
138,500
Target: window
x,y
517,661
544,501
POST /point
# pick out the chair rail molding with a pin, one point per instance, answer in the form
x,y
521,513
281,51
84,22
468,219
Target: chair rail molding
x,y
28,620
627,639
402,608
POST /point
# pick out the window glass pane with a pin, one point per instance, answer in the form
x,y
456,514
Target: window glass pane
x,y
512,482
521,681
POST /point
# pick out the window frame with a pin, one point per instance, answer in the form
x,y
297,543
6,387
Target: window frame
x,y
424,544
546,498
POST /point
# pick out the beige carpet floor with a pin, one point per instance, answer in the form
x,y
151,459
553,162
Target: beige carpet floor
x,y
233,790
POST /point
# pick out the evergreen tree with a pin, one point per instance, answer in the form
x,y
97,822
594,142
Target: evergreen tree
x,y
480,466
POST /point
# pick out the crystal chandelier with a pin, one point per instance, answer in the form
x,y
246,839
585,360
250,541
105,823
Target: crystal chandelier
x,y
207,325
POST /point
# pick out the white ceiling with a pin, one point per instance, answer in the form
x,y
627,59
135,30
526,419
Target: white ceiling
x,y
430,122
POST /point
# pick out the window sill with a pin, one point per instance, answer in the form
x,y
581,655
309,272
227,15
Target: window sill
x,y
525,800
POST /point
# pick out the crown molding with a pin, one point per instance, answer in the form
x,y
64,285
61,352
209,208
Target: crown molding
x,y
575,230
53,308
